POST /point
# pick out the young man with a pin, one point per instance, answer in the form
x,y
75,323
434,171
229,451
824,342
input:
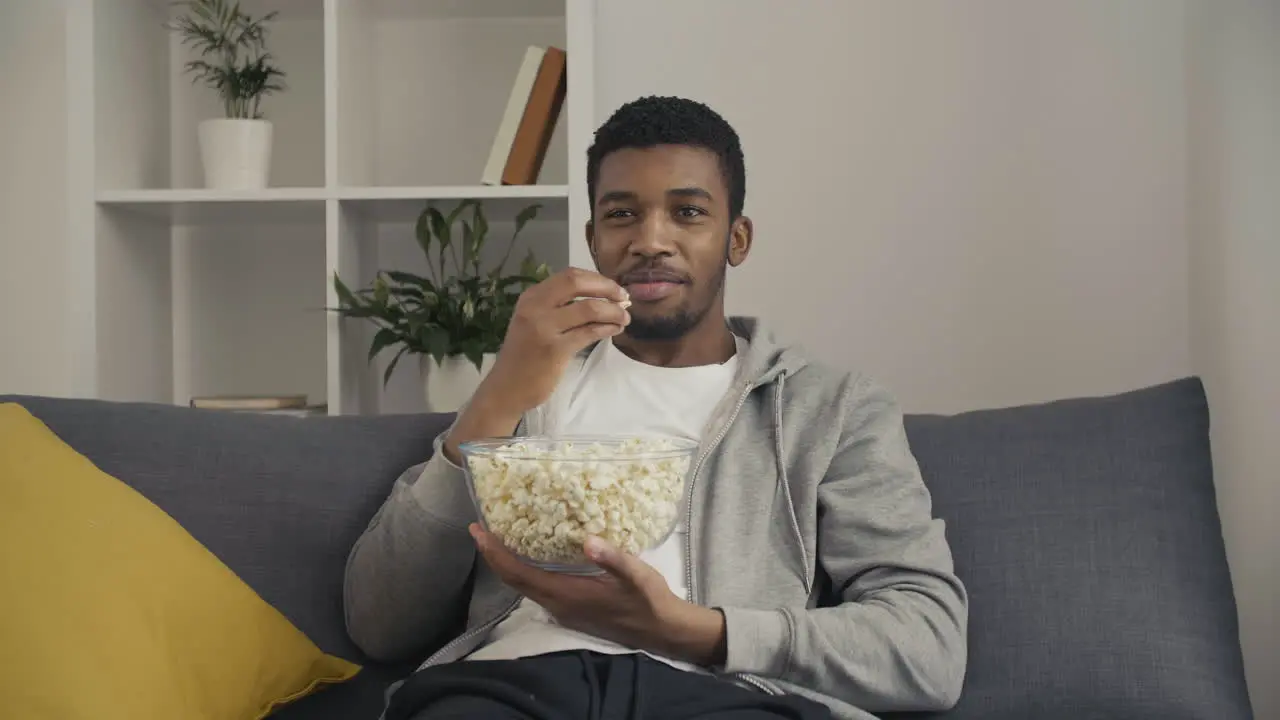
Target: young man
x,y
812,581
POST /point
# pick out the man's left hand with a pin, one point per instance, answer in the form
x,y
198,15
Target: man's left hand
x,y
629,603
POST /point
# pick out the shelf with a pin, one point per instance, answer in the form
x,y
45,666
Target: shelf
x,y
403,204
390,105
474,9
421,87
199,207
454,192
203,293
248,312
146,109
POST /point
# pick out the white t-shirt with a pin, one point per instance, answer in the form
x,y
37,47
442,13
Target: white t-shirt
x,y
615,394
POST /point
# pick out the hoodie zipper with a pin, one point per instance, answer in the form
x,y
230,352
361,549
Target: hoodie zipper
x,y
690,592
757,683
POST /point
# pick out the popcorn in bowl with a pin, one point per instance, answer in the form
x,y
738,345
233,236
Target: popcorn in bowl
x,y
543,496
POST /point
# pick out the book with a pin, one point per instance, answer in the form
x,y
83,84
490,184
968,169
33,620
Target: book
x,y
516,102
539,120
250,402
309,411
533,109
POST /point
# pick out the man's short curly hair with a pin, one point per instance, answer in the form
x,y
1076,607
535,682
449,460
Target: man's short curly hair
x,y
655,120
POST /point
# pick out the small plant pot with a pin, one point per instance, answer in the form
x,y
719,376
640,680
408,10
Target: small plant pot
x,y
450,384
236,153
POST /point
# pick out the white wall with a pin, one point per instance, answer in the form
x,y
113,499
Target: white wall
x,y
1234,59
993,196
33,192
991,191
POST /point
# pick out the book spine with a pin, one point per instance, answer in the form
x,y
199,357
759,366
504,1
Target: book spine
x,y
500,152
541,113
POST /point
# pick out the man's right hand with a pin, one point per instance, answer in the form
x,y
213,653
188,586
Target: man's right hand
x,y
546,331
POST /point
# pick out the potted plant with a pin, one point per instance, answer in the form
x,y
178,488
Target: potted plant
x,y
455,318
230,57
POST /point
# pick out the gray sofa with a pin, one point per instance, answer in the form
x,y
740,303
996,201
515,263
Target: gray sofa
x,y
1086,530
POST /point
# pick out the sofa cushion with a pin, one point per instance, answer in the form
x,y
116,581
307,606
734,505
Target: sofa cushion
x,y
1087,534
112,610
279,500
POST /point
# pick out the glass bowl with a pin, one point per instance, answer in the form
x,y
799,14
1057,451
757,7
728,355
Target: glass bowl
x,y
543,496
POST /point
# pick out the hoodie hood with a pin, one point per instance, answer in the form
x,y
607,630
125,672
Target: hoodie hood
x,y
766,357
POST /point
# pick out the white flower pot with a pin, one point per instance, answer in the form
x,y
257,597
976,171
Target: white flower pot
x,y
450,384
236,153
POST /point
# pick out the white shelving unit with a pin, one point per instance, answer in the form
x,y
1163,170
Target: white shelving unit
x,y
390,104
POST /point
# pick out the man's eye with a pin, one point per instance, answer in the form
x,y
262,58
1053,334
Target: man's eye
x,y
689,211
618,213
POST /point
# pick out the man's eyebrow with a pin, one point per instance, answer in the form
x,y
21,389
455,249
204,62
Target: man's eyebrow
x,y
628,196
615,196
691,192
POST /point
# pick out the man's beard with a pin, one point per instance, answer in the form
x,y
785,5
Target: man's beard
x,y
678,323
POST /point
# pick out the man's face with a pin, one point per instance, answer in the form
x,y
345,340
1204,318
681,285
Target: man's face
x,y
662,231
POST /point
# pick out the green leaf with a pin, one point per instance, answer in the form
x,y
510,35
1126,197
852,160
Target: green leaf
x,y
344,293
481,225
439,227
437,343
529,266
391,366
474,351
457,211
510,280
407,278
382,339
470,247
525,216
468,309
422,233
408,295
357,312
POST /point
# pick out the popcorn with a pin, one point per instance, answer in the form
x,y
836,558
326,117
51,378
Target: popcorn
x,y
545,498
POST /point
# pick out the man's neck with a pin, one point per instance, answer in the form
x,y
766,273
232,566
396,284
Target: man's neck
x,y
711,343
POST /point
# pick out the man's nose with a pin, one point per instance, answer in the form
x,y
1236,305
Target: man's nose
x,y
655,238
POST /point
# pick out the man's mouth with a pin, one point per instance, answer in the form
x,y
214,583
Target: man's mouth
x,y
651,286
651,291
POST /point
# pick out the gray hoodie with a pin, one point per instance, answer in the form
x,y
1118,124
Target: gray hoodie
x,y
809,527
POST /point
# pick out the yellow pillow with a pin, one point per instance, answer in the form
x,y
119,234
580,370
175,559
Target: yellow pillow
x,y
110,610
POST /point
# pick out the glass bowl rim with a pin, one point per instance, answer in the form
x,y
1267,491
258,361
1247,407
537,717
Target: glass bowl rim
x,y
488,446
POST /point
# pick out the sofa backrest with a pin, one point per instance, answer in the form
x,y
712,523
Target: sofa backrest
x,y
1086,532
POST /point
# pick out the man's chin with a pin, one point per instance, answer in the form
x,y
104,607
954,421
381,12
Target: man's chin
x,y
660,327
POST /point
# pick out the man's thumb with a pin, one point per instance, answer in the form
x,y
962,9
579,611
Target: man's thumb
x,y
610,559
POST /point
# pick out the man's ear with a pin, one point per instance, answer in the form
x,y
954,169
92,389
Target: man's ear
x,y
740,235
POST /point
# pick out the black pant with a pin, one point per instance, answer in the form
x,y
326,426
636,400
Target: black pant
x,y
585,686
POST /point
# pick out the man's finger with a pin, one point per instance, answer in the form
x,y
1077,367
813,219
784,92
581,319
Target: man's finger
x,y
588,312
627,568
575,282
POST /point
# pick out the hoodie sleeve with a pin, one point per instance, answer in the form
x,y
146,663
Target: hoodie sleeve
x,y
898,639
407,574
